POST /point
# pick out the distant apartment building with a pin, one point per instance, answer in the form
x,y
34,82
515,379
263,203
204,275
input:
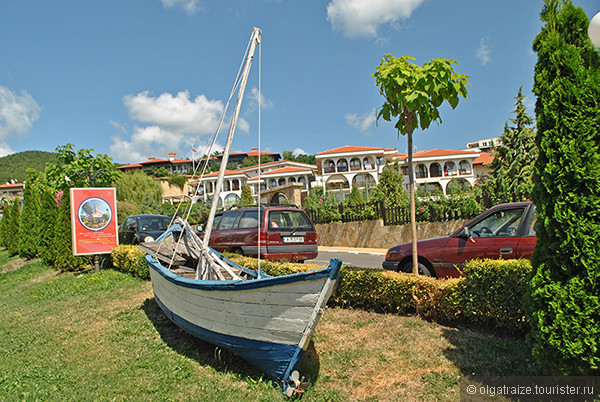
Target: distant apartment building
x,y
173,165
12,190
486,145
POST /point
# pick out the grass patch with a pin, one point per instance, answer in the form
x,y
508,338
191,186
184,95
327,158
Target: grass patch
x,y
101,336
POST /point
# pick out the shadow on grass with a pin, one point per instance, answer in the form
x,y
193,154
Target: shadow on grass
x,y
479,353
218,358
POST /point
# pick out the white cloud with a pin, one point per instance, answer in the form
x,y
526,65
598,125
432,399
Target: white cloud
x,y
254,96
190,6
362,18
483,52
17,114
5,149
179,113
173,124
362,123
299,151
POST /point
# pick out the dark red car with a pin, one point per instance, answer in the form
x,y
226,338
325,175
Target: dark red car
x,y
505,231
286,232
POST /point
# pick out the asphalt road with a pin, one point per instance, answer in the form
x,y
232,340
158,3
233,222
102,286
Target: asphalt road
x,y
362,258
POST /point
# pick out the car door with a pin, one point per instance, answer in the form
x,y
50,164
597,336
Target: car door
x,y
495,236
528,237
222,237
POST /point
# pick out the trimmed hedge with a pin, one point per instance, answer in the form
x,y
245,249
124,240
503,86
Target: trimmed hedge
x,y
490,294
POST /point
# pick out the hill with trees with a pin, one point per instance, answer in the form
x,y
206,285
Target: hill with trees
x,y
14,166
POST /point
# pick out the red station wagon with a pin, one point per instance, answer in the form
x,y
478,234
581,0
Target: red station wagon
x,y
505,231
286,232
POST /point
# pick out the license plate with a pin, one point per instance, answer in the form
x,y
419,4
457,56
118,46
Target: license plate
x,y
293,239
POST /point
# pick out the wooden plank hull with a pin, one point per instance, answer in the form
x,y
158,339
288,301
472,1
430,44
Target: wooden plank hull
x,y
266,321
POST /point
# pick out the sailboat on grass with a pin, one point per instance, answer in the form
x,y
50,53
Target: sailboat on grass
x,y
266,320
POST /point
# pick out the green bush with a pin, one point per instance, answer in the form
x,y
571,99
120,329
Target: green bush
x,y
30,221
130,259
493,292
64,260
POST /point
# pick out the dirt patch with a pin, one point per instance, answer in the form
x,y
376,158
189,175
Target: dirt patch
x,y
14,264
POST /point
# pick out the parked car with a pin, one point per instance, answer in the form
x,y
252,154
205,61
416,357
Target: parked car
x,y
136,229
286,232
504,231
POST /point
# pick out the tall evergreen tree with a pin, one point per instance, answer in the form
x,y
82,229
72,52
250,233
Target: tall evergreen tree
x,y
13,227
564,302
48,212
30,227
4,236
512,167
64,259
391,187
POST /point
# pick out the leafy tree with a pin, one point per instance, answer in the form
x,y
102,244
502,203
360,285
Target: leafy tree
x,y
30,226
253,161
138,188
564,303
79,169
302,158
391,187
413,94
47,221
322,207
512,167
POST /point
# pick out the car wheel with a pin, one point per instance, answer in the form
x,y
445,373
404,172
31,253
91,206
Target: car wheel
x,y
423,269
238,250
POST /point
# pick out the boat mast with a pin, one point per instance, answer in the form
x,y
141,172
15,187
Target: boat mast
x,y
254,40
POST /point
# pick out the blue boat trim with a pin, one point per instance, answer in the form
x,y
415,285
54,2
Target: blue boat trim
x,y
272,358
331,271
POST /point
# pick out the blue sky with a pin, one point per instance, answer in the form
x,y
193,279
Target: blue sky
x,y
140,78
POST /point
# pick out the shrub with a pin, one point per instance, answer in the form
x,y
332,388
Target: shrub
x,y
13,223
492,293
130,259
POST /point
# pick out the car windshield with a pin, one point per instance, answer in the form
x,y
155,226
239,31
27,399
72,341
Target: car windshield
x,y
149,223
288,220
502,223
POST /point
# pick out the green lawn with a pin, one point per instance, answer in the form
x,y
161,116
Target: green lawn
x,y
101,336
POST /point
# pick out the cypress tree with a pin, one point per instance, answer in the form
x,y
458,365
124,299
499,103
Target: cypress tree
x,y
512,168
30,227
48,212
4,236
64,259
564,302
13,227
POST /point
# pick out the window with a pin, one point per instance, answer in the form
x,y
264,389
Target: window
x,y
289,220
249,220
503,223
342,165
229,220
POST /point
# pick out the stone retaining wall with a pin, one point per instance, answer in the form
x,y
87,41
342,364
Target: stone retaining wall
x,y
372,234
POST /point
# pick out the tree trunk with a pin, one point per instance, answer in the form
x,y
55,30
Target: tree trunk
x,y
413,213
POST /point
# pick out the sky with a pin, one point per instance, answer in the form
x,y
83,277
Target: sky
x,y
140,78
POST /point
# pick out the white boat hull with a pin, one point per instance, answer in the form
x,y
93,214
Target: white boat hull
x,y
266,321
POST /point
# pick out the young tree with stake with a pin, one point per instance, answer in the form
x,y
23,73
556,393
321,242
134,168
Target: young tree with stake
x,y
413,94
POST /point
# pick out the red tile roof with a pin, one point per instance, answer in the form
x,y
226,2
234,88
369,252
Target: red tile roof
x,y
440,152
351,148
484,158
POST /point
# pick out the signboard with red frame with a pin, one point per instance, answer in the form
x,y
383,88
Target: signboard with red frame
x,y
93,220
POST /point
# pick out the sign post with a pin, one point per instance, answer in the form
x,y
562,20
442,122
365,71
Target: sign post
x,y
93,221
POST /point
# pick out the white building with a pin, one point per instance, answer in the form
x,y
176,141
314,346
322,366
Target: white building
x,y
343,167
437,168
